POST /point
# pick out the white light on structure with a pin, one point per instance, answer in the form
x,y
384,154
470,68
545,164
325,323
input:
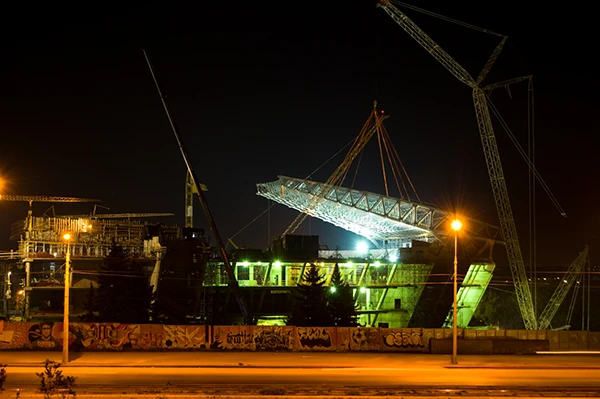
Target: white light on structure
x,y
332,288
362,248
363,289
393,257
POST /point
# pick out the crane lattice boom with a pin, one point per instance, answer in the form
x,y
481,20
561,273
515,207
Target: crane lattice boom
x,y
127,215
44,198
490,149
562,289
338,175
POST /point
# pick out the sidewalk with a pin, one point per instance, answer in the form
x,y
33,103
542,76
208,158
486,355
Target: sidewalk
x,y
297,360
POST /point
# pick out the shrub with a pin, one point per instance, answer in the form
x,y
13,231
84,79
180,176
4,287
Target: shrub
x,y
53,382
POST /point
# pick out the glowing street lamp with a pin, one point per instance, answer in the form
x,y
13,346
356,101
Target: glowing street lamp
x,y
65,359
456,226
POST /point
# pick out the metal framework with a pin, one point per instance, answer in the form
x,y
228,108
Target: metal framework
x,y
127,215
373,216
44,198
490,149
562,289
371,127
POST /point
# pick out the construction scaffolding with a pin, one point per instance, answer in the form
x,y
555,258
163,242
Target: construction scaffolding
x,y
41,237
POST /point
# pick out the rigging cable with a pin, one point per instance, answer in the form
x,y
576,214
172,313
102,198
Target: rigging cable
x,y
447,19
524,155
385,184
271,205
532,181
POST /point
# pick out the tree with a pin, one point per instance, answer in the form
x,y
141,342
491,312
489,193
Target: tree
x,y
90,306
341,301
310,306
124,293
499,309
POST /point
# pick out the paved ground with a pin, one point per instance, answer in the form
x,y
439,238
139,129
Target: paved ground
x,y
253,362
297,359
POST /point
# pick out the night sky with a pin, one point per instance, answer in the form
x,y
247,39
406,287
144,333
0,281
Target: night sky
x,y
260,89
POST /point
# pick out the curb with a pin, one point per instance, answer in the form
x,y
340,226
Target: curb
x,y
320,366
243,366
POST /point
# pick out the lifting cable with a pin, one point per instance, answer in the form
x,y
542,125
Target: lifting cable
x,y
275,203
447,19
524,156
397,164
532,200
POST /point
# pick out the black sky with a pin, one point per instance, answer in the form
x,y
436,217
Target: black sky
x,y
266,88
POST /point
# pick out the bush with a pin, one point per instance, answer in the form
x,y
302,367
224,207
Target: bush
x,y
2,376
53,382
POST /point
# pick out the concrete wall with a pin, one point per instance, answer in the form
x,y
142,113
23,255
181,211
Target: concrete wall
x,y
117,337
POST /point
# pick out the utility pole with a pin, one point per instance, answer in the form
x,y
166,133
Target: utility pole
x,y
65,355
456,226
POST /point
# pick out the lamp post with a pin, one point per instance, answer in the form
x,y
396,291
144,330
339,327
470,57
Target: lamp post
x,y
65,355
456,226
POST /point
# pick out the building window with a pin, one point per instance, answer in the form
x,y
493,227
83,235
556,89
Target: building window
x,y
397,303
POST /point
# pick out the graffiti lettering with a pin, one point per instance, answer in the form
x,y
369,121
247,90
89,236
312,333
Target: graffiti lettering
x,y
239,338
274,339
314,337
402,339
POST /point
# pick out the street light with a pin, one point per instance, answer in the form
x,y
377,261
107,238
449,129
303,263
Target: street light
x,y
65,359
456,226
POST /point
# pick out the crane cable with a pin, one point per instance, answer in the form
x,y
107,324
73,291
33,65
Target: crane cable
x,y
274,203
524,156
447,19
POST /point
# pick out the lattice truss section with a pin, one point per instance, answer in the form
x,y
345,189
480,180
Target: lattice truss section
x,y
373,216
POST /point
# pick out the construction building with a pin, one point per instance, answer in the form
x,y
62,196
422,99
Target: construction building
x,y
33,273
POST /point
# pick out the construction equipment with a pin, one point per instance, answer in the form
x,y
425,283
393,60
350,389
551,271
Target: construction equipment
x,y
372,126
43,198
199,189
560,293
190,190
490,149
122,215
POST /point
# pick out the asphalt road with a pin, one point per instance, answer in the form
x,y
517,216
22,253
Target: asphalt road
x,y
226,373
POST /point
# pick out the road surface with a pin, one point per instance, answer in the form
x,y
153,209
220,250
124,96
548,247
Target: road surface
x,y
338,374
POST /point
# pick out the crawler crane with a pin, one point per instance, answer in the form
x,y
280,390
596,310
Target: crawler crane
x,y
490,149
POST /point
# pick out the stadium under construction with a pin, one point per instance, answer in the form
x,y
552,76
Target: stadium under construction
x,y
404,278
389,283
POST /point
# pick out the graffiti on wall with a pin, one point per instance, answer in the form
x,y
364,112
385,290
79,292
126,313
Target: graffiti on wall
x,y
233,337
359,338
403,338
314,338
104,336
115,337
14,335
42,336
184,337
274,338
